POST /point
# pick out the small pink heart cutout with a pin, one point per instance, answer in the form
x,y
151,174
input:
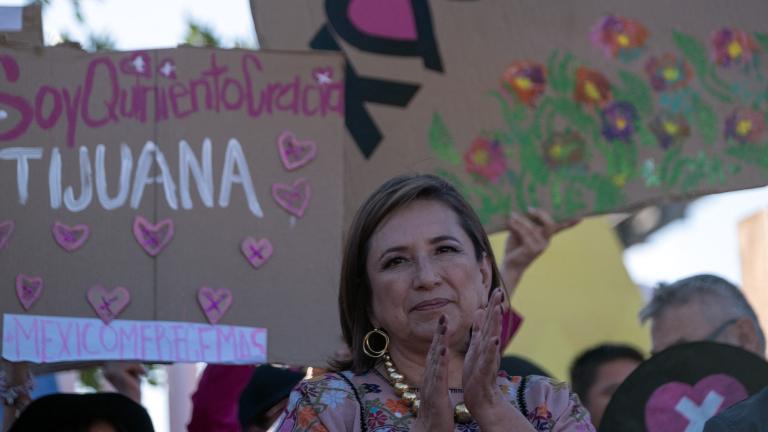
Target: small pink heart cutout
x,y
153,238
294,153
28,290
293,198
108,304
257,252
70,238
215,302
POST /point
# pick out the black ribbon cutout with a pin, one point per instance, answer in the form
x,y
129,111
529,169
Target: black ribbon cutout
x,y
358,90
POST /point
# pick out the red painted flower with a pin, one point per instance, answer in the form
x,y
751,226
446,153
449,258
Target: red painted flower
x,y
732,47
668,72
486,159
592,87
525,79
564,149
745,126
619,37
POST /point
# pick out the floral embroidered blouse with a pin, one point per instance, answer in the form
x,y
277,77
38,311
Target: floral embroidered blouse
x,y
329,403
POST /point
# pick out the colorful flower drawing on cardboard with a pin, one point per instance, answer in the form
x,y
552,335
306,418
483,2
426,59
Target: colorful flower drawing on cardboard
x,y
572,132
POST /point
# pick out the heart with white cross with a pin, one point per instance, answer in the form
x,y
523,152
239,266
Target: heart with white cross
x,y
679,407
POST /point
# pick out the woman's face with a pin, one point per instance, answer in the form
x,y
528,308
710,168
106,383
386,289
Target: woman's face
x,y
421,264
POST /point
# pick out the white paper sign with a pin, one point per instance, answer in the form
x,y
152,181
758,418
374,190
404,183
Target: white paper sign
x,y
47,339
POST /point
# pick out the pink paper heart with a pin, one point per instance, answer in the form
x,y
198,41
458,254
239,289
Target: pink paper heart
x,y
215,303
152,237
6,229
391,19
70,238
293,198
257,252
675,405
138,63
28,289
295,153
108,304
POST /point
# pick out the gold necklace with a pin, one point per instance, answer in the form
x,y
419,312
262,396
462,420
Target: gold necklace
x,y
460,412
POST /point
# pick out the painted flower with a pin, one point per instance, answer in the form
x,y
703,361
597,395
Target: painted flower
x,y
618,120
732,47
592,87
564,149
397,407
668,72
745,126
670,129
376,418
485,158
527,80
619,37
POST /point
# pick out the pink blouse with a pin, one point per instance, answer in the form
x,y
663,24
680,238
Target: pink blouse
x,y
329,403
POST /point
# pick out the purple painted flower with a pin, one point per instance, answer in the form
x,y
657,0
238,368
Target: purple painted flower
x,y
619,36
618,121
745,126
670,129
732,47
527,80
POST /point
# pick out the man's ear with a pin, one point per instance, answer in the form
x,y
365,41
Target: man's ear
x,y
747,335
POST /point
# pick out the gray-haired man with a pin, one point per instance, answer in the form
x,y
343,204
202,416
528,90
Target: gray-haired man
x,y
702,308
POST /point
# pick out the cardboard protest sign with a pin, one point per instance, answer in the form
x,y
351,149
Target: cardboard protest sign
x,y
577,107
681,388
170,205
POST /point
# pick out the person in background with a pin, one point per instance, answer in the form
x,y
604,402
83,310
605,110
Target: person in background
x,y
702,308
598,372
94,412
518,366
529,236
750,415
265,397
214,403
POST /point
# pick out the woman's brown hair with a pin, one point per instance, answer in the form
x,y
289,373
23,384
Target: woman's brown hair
x,y
354,284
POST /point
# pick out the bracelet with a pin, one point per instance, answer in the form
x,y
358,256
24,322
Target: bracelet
x,y
10,395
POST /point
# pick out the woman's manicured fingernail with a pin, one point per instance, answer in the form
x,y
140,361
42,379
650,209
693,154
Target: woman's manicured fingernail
x,y
496,341
442,351
443,329
441,321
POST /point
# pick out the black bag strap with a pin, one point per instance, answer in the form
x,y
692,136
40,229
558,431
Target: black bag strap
x,y
363,427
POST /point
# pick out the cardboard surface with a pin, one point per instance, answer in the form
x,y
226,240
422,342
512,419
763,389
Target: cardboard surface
x,y
195,134
579,108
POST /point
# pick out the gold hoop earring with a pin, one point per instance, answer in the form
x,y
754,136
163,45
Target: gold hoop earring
x,y
369,350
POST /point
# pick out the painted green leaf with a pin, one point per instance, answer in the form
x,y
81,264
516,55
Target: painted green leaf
x,y
762,39
442,142
553,75
636,90
705,119
693,50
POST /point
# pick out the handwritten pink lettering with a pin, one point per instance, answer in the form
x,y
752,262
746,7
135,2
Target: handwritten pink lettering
x,y
108,97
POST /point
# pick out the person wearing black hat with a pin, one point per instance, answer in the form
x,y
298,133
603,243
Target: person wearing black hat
x,y
266,395
96,412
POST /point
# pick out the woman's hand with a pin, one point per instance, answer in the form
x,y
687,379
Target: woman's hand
x,y
435,410
528,237
482,395
481,363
